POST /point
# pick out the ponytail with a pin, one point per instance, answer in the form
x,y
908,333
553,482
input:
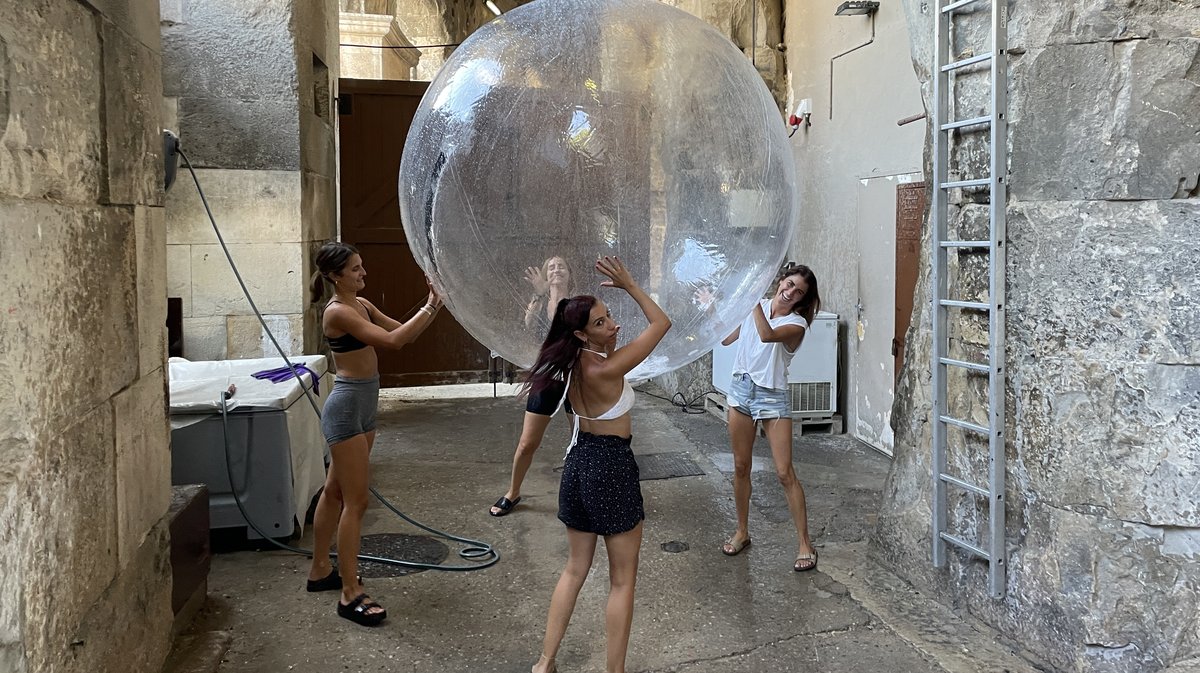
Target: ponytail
x,y
561,348
319,286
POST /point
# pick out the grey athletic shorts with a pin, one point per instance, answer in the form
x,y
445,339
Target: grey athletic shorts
x,y
350,409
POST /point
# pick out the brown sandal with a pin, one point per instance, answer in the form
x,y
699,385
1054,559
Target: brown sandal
x,y
805,559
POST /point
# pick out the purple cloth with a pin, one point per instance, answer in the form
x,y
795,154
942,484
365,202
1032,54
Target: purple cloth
x,y
285,374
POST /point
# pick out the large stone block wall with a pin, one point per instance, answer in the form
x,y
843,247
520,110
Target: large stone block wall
x,y
1103,387
84,449
374,47
250,89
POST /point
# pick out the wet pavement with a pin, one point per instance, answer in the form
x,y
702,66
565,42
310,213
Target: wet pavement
x,y
445,461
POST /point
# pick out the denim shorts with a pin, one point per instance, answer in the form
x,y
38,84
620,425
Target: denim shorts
x,y
756,401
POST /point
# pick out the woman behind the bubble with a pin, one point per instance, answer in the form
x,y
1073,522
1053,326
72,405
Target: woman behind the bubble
x,y
599,495
551,284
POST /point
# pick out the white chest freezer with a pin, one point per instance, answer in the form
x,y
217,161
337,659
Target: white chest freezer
x,y
276,450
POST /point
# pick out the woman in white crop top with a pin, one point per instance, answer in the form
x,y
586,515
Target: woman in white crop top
x,y
767,340
599,495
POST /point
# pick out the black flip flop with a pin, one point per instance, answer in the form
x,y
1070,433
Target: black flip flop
x,y
356,611
504,505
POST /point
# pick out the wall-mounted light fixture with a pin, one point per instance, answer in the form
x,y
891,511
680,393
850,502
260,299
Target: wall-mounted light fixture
x,y
855,7
496,10
802,117
852,8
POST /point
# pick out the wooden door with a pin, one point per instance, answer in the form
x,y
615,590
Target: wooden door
x,y
374,117
910,213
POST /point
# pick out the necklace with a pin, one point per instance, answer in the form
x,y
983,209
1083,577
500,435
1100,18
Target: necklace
x,y
603,355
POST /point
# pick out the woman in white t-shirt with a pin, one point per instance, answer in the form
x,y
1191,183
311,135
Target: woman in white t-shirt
x,y
767,340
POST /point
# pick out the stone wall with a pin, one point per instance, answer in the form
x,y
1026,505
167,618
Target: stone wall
x,y
1103,387
427,23
373,46
85,579
250,88
848,165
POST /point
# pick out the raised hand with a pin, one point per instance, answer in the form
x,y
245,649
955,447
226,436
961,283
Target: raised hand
x,y
619,276
534,275
704,298
435,299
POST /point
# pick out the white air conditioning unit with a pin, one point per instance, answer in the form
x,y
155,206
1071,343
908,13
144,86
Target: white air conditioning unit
x,y
812,375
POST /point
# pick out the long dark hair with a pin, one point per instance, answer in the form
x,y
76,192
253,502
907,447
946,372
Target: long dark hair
x,y
331,258
561,348
808,305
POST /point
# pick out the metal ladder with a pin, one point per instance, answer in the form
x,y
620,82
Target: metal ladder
x,y
943,302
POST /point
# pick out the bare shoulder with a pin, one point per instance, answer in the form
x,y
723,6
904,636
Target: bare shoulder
x,y
337,313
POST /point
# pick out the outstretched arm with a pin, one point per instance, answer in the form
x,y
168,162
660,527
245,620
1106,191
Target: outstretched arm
x,y
532,309
536,304
376,335
379,317
625,358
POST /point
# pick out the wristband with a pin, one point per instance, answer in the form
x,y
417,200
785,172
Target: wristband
x,y
429,309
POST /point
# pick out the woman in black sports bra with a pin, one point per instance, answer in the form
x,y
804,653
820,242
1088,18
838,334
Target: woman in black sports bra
x,y
354,328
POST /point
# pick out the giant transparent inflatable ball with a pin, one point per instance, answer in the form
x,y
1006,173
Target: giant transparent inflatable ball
x,y
566,130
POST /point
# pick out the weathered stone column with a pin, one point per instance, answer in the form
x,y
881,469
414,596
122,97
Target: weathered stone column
x,y
1103,387
85,580
429,22
250,88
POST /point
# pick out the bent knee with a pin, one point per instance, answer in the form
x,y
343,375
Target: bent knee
x,y
356,505
526,448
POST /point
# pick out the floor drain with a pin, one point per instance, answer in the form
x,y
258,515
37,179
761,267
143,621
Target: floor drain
x,y
403,547
666,466
674,547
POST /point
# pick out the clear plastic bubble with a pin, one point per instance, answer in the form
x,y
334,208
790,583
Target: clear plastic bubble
x,y
573,129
